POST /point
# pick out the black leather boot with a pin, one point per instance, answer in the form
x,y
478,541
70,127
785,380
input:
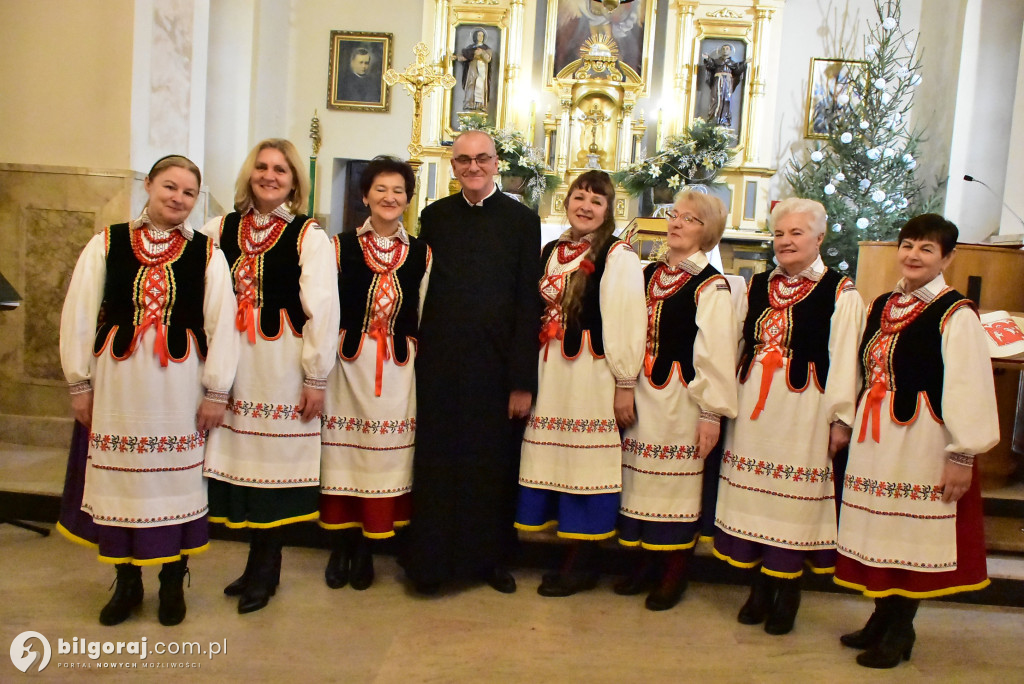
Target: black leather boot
x,y
127,595
578,572
336,573
238,586
362,564
872,632
897,642
266,571
643,577
787,602
172,594
673,582
762,596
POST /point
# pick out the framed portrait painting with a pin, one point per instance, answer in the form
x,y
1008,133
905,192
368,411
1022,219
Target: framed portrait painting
x,y
829,91
355,78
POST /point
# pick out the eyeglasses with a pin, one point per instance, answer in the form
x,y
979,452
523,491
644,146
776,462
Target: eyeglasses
x,y
466,160
685,218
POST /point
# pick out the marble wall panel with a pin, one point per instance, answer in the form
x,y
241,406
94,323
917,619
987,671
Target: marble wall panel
x,y
53,241
171,74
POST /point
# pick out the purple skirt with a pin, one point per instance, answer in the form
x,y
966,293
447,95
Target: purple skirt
x,y
774,560
141,546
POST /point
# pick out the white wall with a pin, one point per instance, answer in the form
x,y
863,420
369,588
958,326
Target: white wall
x,y
1014,192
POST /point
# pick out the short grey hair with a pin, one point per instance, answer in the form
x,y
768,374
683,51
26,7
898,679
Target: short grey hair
x,y
799,205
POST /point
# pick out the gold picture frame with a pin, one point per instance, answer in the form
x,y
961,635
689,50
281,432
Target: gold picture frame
x,y
569,25
827,80
355,74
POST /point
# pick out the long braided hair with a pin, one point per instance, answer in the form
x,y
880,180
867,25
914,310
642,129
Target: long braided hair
x,y
599,183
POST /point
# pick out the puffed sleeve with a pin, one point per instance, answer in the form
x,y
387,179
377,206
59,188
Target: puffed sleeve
x,y
318,292
424,282
847,327
968,391
213,228
714,382
624,314
78,317
219,309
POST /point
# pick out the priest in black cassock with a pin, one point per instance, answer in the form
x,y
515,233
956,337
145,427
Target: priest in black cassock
x,y
476,374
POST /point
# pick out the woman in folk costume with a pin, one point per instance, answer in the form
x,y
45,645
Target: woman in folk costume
x,y
798,388
688,384
370,410
264,466
911,525
149,383
592,346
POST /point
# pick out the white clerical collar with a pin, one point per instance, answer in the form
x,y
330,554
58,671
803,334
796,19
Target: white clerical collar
x,y
367,227
693,264
143,219
926,293
813,272
494,189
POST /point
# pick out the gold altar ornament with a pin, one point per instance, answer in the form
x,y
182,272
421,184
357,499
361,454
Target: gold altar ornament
x,y
419,78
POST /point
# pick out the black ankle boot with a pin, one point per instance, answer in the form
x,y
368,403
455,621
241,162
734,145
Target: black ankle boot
x,y
897,641
783,612
238,586
266,571
872,632
642,578
127,595
362,565
172,594
578,572
673,583
762,596
337,571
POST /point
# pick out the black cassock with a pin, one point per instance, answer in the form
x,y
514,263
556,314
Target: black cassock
x,y
477,342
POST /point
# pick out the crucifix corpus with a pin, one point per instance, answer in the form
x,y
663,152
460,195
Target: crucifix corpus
x,y
419,78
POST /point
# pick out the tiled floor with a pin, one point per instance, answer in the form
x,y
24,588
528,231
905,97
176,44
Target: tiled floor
x,y
312,633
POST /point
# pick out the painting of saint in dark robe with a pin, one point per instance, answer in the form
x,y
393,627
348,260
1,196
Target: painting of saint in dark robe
x,y
476,65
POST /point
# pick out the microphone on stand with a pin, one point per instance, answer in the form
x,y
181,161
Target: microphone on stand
x,y
972,179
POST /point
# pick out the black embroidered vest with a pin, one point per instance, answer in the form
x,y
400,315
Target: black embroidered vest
x,y
915,362
124,299
278,280
356,282
676,324
589,316
809,327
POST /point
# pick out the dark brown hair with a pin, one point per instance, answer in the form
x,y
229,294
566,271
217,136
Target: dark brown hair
x,y
931,227
599,183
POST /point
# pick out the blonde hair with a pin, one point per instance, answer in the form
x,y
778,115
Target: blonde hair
x,y
711,211
296,202
799,205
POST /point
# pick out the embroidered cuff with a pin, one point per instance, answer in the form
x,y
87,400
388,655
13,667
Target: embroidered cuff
x,y
315,383
710,417
79,387
216,397
625,383
842,423
961,459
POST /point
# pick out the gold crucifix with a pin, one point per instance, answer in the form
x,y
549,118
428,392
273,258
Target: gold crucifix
x,y
419,78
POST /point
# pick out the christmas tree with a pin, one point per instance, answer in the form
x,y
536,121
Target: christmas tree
x,y
863,171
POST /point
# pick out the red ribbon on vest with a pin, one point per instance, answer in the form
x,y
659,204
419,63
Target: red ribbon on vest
x,y
245,319
551,331
770,362
378,333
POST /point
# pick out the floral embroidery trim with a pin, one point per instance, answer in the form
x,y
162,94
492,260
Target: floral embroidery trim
x,y
681,517
689,473
573,446
161,519
893,490
146,444
261,410
216,396
315,383
776,471
257,433
710,417
961,458
894,561
598,425
80,387
351,445
369,427
144,470
356,490
828,543
898,514
575,488
260,480
662,451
